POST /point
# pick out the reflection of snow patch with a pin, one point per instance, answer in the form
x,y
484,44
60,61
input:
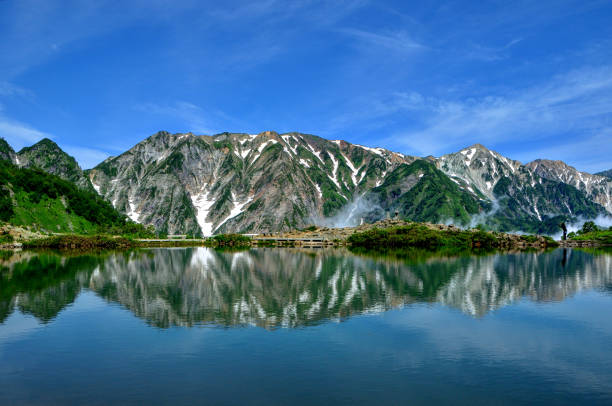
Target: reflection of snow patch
x,y
202,258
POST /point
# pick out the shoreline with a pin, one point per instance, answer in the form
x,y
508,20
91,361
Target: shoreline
x,y
382,235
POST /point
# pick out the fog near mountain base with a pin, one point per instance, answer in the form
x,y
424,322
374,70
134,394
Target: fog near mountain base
x,y
601,221
350,215
481,218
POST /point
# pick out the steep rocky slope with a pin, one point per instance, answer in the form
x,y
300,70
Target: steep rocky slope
x,y
421,192
184,183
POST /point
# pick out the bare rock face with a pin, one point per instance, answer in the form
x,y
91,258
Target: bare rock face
x,y
597,188
200,185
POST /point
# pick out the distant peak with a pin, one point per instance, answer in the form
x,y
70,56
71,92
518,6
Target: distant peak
x,y
549,163
46,141
478,146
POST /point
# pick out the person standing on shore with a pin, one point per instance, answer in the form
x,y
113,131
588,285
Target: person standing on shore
x,y
564,228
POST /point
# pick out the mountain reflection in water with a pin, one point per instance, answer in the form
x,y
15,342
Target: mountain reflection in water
x,y
289,287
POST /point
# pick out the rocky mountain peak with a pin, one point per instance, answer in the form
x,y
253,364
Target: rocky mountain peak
x,y
49,157
598,188
478,169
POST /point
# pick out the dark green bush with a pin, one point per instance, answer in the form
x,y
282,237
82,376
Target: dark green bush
x,y
232,240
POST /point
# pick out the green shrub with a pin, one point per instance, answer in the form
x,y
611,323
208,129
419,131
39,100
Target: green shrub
x,y
232,240
420,236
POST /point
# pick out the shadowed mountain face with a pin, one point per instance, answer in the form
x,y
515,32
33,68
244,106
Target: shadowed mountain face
x,y
607,174
285,287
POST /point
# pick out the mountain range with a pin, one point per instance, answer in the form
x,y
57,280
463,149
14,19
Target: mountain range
x,y
252,183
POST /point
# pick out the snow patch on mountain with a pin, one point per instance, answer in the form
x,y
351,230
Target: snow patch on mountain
x,y
202,204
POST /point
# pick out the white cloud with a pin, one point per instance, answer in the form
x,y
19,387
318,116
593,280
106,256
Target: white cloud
x,y
18,134
578,102
86,157
194,118
399,41
9,89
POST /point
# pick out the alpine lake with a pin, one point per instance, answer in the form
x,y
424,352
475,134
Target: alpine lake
x,y
291,326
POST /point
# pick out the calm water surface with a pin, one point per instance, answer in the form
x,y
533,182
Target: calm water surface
x,y
288,326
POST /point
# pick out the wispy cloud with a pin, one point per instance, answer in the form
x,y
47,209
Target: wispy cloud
x,y
9,89
34,26
18,134
86,157
399,41
488,53
578,102
192,117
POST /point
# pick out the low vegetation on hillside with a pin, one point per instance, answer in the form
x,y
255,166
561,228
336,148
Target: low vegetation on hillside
x,y
591,232
47,203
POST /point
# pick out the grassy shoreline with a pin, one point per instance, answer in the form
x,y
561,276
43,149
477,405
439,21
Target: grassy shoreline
x,y
74,241
397,237
421,236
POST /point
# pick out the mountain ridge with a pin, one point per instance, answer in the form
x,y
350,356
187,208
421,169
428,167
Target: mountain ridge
x,y
237,182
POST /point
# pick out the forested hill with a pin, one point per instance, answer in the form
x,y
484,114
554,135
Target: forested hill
x,y
47,203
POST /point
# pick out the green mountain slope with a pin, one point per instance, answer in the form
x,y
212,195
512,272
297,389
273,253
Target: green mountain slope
x,y
421,192
31,197
6,152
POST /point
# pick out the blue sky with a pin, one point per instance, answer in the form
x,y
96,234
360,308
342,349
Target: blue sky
x,y
530,79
